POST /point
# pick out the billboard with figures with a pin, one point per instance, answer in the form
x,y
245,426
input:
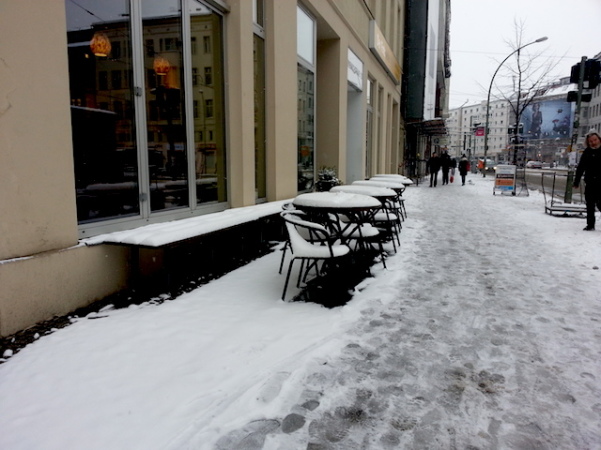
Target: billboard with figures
x,y
548,119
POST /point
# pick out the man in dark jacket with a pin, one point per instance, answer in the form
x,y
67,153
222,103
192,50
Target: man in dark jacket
x,y
434,166
590,166
445,164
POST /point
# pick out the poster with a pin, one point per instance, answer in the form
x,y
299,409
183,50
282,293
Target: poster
x,y
547,119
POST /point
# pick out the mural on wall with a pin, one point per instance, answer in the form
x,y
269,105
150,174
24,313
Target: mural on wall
x,y
548,119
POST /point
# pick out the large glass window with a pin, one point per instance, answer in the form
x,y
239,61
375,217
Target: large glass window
x,y
369,128
104,143
306,100
209,125
259,100
129,107
165,119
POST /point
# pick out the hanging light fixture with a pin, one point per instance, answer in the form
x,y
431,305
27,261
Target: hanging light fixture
x,y
100,44
161,66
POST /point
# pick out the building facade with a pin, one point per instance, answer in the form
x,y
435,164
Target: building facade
x,y
425,87
127,113
466,130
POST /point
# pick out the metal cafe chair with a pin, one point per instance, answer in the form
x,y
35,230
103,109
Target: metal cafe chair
x,y
318,247
359,237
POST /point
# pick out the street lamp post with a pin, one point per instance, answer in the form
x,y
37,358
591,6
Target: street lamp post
x,y
490,89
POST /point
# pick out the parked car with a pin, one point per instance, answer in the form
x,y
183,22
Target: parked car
x,y
534,165
490,164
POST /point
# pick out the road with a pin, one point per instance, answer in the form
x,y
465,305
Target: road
x,y
556,185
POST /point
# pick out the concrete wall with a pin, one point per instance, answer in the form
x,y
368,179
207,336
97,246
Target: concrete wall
x,y
42,273
54,283
37,206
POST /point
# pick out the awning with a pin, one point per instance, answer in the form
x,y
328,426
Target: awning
x,y
434,127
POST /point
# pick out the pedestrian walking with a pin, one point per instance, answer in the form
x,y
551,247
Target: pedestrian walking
x,y
433,166
463,168
445,164
590,167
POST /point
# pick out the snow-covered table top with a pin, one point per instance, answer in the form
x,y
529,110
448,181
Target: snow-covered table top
x,y
335,200
372,191
396,185
391,176
159,234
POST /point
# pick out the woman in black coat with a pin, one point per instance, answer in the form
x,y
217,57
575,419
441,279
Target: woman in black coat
x,y
463,168
590,166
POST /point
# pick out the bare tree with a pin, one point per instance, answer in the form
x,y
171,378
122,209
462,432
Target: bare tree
x,y
530,72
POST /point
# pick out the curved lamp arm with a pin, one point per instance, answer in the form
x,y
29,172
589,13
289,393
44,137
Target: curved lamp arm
x,y
542,39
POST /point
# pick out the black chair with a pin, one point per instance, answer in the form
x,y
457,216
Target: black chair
x,y
310,243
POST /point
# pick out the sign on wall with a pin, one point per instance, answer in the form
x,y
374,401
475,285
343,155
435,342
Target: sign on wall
x,y
355,71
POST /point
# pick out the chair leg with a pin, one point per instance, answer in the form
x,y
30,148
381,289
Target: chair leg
x,y
287,278
382,254
283,256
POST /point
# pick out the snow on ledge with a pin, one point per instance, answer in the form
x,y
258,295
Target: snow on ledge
x,y
158,234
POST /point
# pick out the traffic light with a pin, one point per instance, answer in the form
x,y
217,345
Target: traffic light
x,y
592,77
573,97
511,129
575,74
592,67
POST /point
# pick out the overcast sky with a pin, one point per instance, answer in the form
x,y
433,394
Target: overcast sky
x,y
480,30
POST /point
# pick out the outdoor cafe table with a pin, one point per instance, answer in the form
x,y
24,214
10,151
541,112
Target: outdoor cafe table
x,y
380,193
359,208
396,186
386,196
392,177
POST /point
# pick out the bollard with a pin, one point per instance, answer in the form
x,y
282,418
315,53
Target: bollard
x,y
569,182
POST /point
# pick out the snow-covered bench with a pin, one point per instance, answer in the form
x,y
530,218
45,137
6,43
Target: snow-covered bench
x,y
163,252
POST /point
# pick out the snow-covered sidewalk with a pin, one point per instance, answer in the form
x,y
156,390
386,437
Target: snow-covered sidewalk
x,y
484,332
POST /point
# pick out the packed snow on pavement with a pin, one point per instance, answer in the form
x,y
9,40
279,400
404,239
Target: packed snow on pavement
x,y
484,332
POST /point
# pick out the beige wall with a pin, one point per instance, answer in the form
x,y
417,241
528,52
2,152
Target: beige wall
x,y
54,283
37,206
330,117
281,99
240,104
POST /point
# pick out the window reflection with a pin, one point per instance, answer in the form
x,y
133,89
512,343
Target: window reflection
x,y
209,129
306,128
109,161
167,158
259,88
102,113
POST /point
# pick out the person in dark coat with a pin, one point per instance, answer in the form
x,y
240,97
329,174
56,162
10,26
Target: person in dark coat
x,y
590,166
434,166
445,164
463,168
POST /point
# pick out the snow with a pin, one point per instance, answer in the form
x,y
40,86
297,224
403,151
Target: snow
x,y
336,200
365,190
158,234
484,332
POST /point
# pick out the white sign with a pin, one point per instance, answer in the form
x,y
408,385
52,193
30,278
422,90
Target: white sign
x,y
355,70
505,179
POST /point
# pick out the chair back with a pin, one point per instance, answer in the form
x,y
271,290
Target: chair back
x,y
310,231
